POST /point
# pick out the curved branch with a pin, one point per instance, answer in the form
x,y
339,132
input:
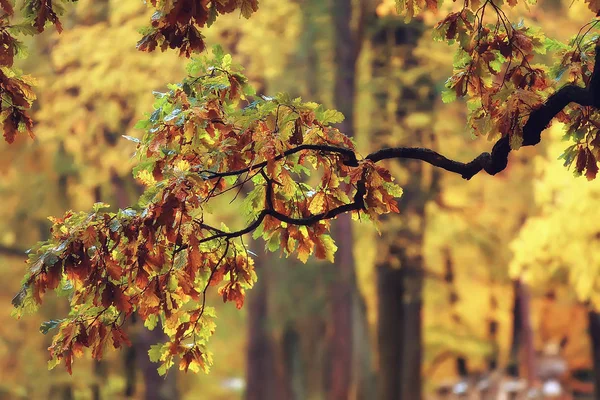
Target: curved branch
x,y
538,121
466,170
492,163
357,204
348,158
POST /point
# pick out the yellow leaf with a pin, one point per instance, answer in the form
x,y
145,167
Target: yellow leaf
x,y
317,204
325,248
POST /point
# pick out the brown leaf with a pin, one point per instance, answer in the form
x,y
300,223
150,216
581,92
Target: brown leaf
x,y
297,137
591,166
6,7
581,160
10,128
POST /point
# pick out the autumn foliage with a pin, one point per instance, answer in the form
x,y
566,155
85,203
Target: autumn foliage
x,y
207,137
211,139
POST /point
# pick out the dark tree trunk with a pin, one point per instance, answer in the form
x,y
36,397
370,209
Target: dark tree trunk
x,y
100,375
341,300
62,391
411,362
136,357
264,382
156,387
129,358
343,286
259,365
399,265
400,329
292,361
594,332
389,330
522,349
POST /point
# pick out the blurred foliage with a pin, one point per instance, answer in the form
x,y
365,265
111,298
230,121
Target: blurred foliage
x,y
533,221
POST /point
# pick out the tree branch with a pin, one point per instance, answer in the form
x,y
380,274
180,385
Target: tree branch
x,y
538,121
348,156
492,163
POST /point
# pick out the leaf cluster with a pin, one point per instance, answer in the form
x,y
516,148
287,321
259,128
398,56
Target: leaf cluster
x,y
207,137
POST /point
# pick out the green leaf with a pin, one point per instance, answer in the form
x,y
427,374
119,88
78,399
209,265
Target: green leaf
x,y
156,352
226,63
448,95
516,141
327,117
99,206
162,370
274,242
23,29
218,55
553,45
46,326
212,16
151,323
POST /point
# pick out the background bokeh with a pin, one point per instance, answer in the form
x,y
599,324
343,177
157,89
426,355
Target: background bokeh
x,y
453,275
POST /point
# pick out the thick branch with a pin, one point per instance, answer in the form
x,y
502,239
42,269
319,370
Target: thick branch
x,y
466,170
541,117
492,163
538,121
281,217
349,159
356,204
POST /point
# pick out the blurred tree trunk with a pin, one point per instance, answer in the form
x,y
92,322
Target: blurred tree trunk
x,y
389,330
100,367
264,381
522,348
399,264
136,357
594,332
156,387
292,361
130,355
400,325
412,350
349,361
308,55
129,358
62,391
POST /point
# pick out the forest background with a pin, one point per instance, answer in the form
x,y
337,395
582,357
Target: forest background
x,y
471,278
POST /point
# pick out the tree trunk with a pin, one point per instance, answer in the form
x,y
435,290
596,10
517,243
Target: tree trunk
x,y
341,299
411,356
522,348
594,332
292,360
343,286
263,380
399,264
100,375
389,330
156,387
129,358
400,329
62,391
